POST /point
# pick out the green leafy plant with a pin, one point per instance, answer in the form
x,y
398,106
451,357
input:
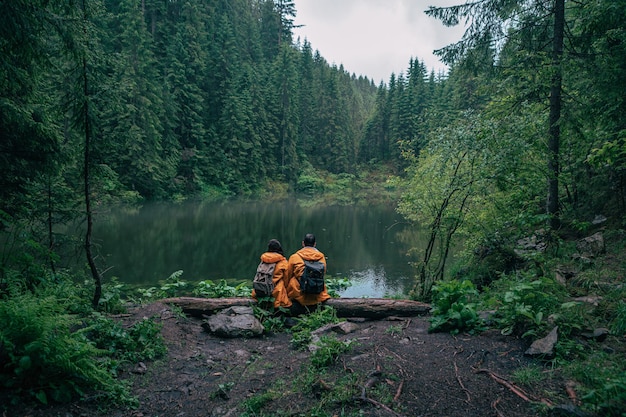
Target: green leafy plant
x,y
173,286
602,380
221,289
335,285
618,324
273,319
522,304
327,351
301,332
111,299
394,330
45,357
453,309
142,341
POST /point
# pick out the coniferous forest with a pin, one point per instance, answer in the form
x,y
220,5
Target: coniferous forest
x,y
124,101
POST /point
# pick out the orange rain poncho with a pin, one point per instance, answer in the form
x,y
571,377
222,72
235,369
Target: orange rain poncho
x,y
280,278
294,272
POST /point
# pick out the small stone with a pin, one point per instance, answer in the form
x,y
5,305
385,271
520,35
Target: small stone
x,y
544,347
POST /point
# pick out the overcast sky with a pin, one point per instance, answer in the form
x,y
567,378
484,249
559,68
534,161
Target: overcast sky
x,y
374,38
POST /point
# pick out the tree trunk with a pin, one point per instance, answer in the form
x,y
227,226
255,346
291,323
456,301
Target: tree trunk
x,y
552,203
87,162
374,308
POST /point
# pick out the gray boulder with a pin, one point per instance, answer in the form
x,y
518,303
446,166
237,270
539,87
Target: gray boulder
x,y
238,321
544,347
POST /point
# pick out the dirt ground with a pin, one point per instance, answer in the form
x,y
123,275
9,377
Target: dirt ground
x,y
395,368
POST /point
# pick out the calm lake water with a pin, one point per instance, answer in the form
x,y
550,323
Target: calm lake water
x,y
213,241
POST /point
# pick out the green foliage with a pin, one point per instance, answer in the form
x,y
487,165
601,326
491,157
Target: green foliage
x,y
221,289
454,309
255,404
529,375
335,285
273,319
111,299
618,324
46,358
310,184
523,303
301,332
140,342
394,330
327,350
602,377
172,287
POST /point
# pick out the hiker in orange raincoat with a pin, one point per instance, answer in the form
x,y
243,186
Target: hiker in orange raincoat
x,y
274,254
295,270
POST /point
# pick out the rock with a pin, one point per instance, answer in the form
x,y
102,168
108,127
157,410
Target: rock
x,y
599,334
533,244
140,369
594,300
238,321
563,274
599,219
344,327
544,347
591,246
567,410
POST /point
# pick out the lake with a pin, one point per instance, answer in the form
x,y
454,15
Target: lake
x,y
213,241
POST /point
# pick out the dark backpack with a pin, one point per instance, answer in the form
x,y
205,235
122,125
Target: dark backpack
x,y
263,282
312,279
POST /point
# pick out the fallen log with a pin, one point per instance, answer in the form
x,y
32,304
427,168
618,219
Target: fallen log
x,y
374,308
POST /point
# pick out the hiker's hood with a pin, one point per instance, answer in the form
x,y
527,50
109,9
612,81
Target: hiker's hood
x,y
271,257
310,254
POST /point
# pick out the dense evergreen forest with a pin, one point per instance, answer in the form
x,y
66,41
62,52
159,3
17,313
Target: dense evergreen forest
x,y
126,100
109,101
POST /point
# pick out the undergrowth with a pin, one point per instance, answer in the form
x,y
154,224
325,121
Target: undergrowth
x,y
529,303
55,348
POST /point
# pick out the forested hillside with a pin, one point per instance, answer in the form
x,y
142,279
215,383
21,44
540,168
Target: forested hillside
x,y
176,99
512,157
106,101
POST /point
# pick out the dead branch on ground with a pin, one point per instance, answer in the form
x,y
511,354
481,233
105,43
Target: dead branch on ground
x,y
458,378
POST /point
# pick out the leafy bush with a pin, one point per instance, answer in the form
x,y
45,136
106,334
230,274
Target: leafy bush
x,y
209,289
336,285
172,287
44,357
453,309
523,303
142,341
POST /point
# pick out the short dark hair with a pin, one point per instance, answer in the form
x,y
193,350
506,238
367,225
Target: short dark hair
x,y
275,246
309,239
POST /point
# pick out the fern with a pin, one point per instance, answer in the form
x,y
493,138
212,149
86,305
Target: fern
x,y
45,358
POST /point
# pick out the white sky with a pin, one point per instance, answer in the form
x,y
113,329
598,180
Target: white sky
x,y
375,38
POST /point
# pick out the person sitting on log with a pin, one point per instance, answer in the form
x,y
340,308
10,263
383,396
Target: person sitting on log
x,y
271,277
305,284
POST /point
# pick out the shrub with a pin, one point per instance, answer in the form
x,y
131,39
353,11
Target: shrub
x,y
43,357
209,289
453,308
523,303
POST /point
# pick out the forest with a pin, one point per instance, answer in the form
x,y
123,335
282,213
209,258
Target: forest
x,y
126,101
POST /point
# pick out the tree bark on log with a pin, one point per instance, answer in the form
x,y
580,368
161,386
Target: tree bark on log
x,y
374,308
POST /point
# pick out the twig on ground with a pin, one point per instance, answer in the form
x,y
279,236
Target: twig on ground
x,y
458,378
377,404
398,391
494,405
514,388
571,392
